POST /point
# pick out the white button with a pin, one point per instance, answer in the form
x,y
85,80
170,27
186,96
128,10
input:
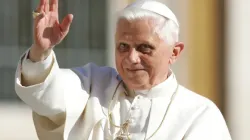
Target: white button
x,y
135,107
131,121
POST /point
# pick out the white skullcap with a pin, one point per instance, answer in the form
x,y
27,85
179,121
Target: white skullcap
x,y
156,7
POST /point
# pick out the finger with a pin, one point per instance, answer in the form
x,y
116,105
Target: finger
x,y
46,6
64,26
40,16
53,5
40,7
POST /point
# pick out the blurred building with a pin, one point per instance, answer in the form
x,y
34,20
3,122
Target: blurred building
x,y
215,62
85,42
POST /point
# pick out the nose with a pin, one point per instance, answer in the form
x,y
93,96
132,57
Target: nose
x,y
133,56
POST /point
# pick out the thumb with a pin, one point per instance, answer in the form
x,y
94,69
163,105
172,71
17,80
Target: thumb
x,y
64,26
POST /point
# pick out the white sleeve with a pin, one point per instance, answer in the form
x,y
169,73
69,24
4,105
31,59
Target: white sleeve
x,y
36,70
47,96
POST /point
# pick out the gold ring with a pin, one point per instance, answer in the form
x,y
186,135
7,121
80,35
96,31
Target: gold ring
x,y
35,14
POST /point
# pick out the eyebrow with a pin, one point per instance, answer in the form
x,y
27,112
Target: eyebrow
x,y
146,42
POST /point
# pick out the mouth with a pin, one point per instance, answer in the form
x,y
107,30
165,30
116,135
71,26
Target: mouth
x,y
134,70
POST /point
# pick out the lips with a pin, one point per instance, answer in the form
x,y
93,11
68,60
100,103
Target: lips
x,y
133,70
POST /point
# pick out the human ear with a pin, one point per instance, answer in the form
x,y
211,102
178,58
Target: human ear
x,y
176,51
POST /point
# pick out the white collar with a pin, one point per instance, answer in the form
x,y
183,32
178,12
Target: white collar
x,y
166,88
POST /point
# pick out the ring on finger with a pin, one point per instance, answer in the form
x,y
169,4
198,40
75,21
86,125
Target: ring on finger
x,y
35,14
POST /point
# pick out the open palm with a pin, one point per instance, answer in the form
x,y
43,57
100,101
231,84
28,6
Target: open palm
x,y
48,32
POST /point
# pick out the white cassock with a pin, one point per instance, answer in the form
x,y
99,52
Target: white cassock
x,y
76,105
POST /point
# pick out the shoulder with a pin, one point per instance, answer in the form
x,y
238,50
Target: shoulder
x,y
99,81
203,118
193,99
95,72
92,68
97,77
195,105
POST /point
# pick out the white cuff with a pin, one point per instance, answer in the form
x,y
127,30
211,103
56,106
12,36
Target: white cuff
x,y
36,69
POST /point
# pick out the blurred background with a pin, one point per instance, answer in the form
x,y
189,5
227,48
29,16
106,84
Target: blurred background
x,y
215,62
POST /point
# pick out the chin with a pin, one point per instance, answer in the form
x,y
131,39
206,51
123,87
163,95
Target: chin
x,y
135,83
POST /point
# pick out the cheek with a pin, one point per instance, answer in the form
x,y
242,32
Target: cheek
x,y
148,63
156,63
119,61
163,63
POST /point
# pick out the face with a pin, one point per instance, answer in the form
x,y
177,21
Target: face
x,y
142,57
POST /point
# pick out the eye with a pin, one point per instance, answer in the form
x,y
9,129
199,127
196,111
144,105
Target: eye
x,y
144,48
123,47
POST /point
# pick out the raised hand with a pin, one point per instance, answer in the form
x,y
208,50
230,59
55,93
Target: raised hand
x,y
48,32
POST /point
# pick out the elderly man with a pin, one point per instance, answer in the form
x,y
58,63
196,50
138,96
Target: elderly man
x,y
142,101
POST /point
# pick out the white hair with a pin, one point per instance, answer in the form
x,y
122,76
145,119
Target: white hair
x,y
165,28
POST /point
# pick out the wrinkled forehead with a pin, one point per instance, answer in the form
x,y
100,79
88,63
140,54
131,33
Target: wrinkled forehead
x,y
136,26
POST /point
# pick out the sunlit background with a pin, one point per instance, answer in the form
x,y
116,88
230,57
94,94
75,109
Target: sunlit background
x,y
215,63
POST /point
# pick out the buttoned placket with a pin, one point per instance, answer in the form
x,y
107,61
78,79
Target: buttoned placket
x,y
137,116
